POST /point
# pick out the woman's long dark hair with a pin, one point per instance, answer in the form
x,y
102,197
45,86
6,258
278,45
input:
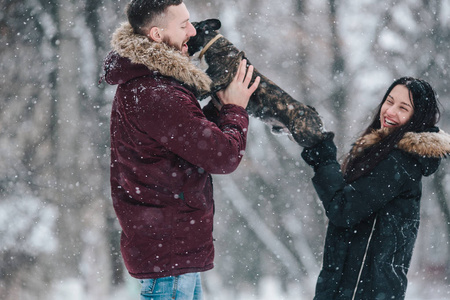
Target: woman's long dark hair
x,y
426,115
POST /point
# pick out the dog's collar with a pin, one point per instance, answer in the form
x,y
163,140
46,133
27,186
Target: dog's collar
x,y
209,45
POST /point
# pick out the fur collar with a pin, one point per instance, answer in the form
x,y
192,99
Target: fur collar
x,y
428,144
158,57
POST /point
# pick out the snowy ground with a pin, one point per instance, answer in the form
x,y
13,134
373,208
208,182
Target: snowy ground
x,y
268,290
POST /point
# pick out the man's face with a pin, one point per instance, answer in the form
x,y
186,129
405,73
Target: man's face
x,y
177,29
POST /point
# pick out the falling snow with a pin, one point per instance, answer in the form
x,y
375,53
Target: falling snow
x,y
58,232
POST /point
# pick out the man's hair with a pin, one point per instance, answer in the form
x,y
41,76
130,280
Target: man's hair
x,y
142,13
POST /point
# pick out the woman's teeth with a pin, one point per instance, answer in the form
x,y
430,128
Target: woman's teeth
x,y
390,122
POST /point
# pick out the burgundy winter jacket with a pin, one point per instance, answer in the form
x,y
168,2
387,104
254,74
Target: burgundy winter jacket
x,y
163,150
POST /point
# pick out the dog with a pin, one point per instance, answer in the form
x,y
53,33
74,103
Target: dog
x,y
220,59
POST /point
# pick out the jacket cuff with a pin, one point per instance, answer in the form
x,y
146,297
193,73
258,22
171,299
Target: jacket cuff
x,y
325,163
234,108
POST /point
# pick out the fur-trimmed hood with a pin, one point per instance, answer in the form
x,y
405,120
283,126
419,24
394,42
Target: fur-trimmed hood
x,y
158,57
425,144
428,148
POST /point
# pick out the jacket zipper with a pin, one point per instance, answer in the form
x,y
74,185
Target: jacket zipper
x,y
364,258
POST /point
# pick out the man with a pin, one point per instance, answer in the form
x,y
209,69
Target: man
x,y
164,148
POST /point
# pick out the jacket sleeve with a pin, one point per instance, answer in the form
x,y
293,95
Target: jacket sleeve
x,y
211,112
348,204
173,118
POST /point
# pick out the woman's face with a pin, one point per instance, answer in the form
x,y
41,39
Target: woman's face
x,y
397,109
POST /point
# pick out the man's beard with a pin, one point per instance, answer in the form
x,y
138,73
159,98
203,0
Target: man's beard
x,y
169,43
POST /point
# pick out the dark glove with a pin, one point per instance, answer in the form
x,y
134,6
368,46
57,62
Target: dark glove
x,y
321,154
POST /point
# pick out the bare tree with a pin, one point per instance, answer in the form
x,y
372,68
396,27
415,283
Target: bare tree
x,y
56,217
58,119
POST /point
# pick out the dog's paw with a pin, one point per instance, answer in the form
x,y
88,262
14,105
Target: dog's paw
x,y
280,130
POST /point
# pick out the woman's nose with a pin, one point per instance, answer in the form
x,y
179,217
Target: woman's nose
x,y
391,111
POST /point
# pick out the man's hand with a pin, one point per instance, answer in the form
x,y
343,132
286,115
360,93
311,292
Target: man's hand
x,y
238,92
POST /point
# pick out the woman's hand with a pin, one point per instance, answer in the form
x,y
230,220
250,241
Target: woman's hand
x,y
321,154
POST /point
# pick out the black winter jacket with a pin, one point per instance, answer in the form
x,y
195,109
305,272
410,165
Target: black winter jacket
x,y
373,222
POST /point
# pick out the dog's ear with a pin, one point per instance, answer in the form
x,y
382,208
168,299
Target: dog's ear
x,y
205,29
214,24
207,25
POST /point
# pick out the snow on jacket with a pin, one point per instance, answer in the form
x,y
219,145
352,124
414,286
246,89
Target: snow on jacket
x,y
163,150
374,220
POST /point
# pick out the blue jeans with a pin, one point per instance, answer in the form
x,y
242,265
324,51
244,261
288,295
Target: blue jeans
x,y
182,287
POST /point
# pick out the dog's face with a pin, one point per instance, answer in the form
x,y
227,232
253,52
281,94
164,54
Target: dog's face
x,y
206,30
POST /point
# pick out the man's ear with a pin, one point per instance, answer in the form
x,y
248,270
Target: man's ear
x,y
155,34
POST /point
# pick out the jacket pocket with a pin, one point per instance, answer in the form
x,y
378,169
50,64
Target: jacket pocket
x,y
200,199
398,236
197,200
148,286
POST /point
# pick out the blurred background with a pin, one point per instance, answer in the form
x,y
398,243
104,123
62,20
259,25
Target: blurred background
x,y
58,232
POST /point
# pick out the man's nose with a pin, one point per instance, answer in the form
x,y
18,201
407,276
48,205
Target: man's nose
x,y
192,31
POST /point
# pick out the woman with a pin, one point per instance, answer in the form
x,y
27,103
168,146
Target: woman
x,y
373,201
